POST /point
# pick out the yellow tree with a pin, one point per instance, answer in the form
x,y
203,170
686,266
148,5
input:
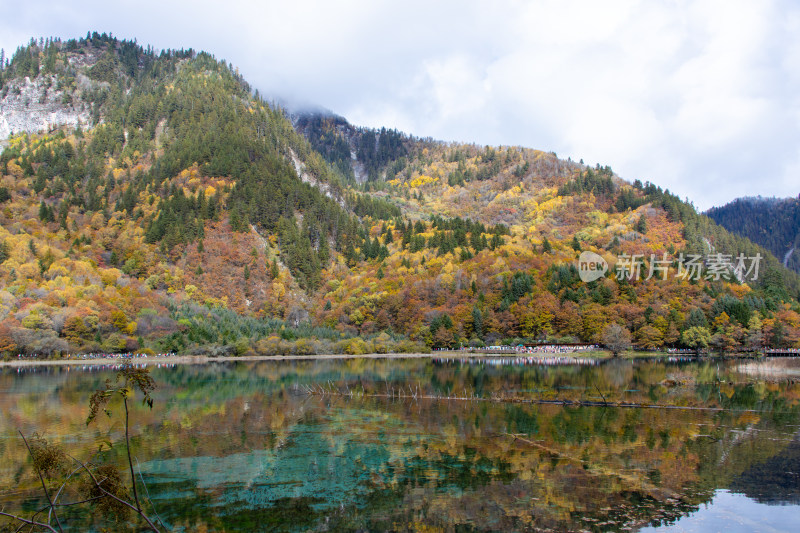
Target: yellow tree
x,y
649,337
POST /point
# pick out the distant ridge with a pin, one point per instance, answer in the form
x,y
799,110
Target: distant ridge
x,y
771,222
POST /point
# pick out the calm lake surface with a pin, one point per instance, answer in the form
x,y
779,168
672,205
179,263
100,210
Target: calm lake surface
x,y
244,446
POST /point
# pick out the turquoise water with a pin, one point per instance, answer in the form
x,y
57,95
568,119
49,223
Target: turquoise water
x,y
245,447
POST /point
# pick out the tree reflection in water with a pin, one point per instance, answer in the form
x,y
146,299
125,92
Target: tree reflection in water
x,y
239,446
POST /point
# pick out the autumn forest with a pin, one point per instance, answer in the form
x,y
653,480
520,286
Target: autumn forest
x,y
184,213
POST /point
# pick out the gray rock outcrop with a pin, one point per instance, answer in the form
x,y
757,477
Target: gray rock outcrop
x,y
35,106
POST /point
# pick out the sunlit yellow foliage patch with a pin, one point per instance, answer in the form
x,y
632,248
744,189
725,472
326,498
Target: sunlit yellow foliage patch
x,y
421,180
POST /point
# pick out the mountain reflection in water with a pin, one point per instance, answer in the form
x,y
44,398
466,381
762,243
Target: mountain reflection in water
x,y
240,446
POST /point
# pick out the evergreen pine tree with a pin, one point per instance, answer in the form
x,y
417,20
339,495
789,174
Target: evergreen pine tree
x,y
641,225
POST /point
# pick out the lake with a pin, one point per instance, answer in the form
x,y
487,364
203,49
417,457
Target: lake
x,y
494,444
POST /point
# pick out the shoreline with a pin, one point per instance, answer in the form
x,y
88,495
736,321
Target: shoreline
x,y
203,359
600,355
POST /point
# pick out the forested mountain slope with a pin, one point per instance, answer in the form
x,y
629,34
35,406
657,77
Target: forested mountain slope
x,y
774,223
169,207
360,154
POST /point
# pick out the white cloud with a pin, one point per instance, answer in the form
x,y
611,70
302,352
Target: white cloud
x,y
701,97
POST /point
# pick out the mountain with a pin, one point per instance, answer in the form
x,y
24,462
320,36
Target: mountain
x,y
360,154
167,206
774,223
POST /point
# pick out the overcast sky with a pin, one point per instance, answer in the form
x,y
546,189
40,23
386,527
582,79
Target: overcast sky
x,y
700,97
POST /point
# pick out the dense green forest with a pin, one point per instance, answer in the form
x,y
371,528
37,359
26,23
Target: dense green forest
x,y
345,146
774,223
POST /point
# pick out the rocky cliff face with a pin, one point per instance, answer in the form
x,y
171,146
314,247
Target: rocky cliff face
x,y
33,106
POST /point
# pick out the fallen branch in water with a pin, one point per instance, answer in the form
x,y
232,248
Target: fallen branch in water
x,y
658,493
411,394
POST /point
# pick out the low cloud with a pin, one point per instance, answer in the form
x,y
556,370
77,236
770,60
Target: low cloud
x,y
699,97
